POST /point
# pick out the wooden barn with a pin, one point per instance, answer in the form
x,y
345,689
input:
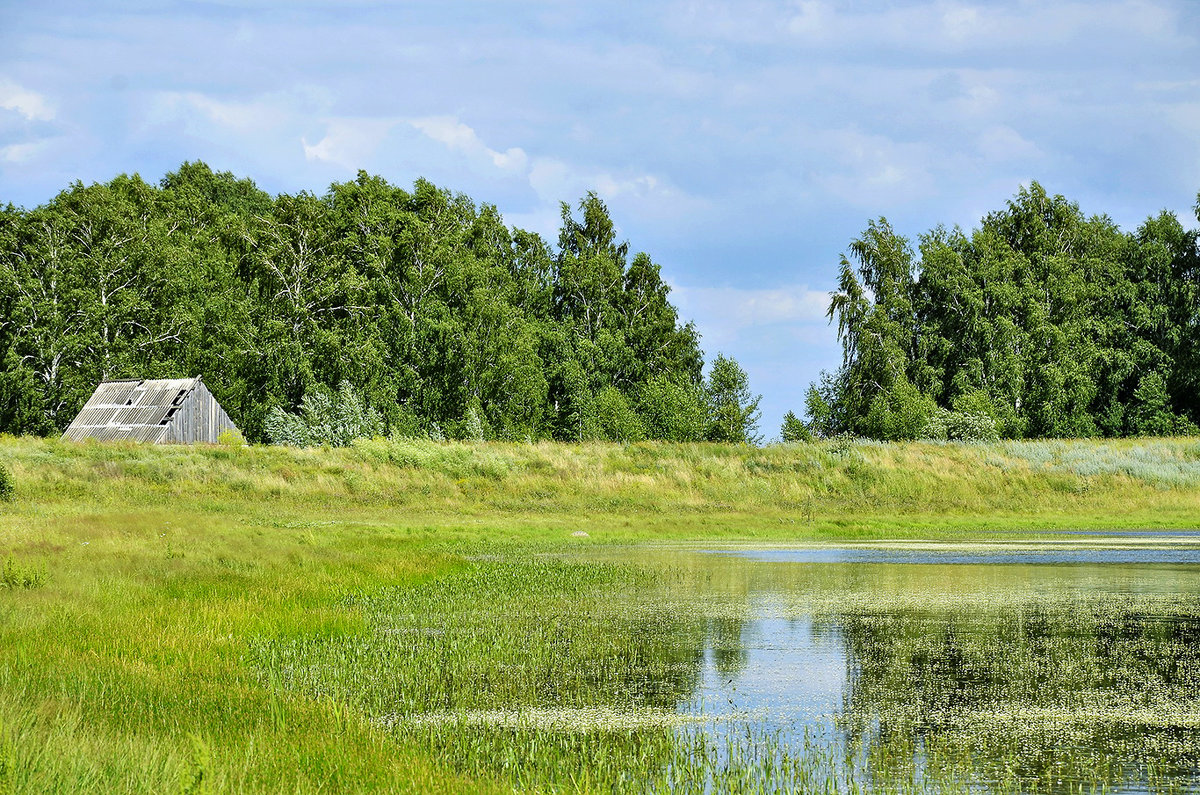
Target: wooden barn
x,y
166,411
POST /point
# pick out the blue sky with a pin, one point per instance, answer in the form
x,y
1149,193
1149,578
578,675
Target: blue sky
x,y
741,144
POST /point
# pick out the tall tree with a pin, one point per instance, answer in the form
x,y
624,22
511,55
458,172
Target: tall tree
x,y
1045,321
879,333
733,409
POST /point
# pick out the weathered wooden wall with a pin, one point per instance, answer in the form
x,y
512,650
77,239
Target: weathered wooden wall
x,y
199,419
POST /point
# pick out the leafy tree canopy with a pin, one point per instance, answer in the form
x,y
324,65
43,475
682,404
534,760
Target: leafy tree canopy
x,y
1040,323
368,309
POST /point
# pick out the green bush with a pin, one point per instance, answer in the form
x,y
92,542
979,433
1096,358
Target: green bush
x,y
6,484
896,414
672,410
325,418
231,438
842,446
613,418
959,426
794,429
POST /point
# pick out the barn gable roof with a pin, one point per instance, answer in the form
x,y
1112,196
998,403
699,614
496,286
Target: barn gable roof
x,y
136,409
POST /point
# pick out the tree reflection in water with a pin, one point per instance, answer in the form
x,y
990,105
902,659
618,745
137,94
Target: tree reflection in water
x,y
1101,692
679,671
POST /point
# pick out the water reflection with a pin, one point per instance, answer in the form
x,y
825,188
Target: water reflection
x,y
900,669
990,667
1058,555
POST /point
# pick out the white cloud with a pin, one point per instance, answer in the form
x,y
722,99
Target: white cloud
x,y
812,20
552,178
266,113
610,187
724,313
349,143
542,221
978,99
960,21
511,159
931,26
458,137
873,170
30,104
240,116
20,153
1005,143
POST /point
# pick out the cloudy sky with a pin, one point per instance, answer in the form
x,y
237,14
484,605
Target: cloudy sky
x,y
741,144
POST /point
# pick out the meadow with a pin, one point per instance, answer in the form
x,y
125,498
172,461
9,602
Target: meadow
x,y
408,615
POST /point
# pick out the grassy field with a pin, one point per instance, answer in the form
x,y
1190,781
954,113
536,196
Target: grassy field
x,y
150,595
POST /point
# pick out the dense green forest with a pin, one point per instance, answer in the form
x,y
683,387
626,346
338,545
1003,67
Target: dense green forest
x,y
1040,323
442,319
428,316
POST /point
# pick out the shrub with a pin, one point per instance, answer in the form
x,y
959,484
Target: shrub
x,y
6,484
841,445
959,426
896,414
473,428
231,438
613,419
794,429
672,410
325,419
966,427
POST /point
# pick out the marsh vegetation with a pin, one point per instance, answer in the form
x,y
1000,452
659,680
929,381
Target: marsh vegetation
x,y
694,672
420,617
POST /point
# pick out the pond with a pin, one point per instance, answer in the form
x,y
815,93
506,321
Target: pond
x,y
1063,666
1052,667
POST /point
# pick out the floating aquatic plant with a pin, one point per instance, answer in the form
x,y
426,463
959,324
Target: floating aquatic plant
x,y
626,671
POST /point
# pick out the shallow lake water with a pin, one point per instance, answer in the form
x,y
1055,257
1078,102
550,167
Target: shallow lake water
x,y
1063,665
1069,664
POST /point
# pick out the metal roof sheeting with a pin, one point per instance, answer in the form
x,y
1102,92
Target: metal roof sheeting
x,y
138,410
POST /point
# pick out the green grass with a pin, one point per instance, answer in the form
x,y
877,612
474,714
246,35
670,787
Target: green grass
x,y
194,607
624,492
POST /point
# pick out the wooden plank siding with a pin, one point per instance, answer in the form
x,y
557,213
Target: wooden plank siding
x,y
199,419
179,411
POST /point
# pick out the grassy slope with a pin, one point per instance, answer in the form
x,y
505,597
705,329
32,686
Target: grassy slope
x,y
128,668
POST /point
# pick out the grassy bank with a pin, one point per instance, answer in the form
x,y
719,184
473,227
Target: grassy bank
x,y
618,492
169,585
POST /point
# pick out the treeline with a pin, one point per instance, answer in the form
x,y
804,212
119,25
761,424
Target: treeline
x,y
1040,323
444,320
